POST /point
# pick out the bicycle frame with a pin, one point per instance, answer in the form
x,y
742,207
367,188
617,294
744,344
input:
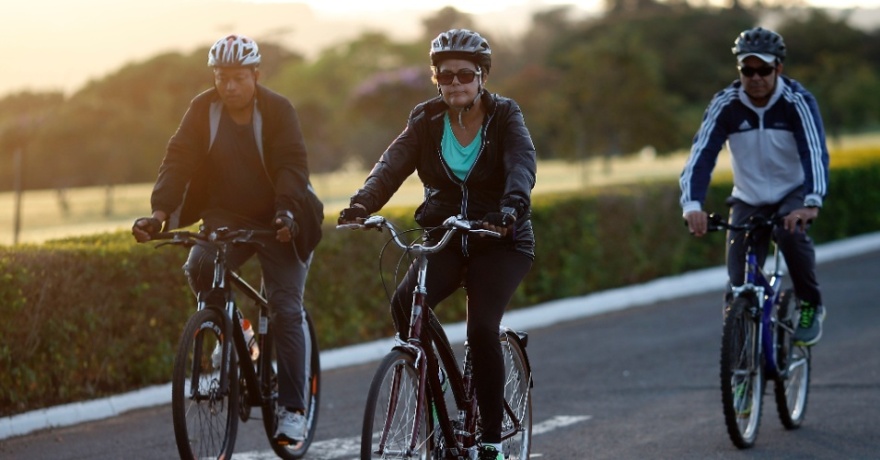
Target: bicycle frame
x,y
766,291
414,344
255,377
237,384
458,436
756,343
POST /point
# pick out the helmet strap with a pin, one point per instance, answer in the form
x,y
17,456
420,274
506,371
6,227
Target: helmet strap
x,y
469,106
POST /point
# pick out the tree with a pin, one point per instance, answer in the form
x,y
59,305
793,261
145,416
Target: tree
x,y
445,19
331,95
828,56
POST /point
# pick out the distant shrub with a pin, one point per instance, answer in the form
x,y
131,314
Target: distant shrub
x,y
99,315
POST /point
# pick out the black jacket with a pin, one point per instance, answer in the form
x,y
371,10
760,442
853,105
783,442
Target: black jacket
x,y
181,188
503,175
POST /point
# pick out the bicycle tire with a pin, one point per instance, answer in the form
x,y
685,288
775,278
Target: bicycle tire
x,y
205,426
312,395
518,399
742,373
792,384
392,408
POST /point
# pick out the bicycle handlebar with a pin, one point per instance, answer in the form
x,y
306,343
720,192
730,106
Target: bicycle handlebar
x,y
717,222
217,236
452,225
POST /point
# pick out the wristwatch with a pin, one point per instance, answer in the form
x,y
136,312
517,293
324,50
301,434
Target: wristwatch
x,y
812,202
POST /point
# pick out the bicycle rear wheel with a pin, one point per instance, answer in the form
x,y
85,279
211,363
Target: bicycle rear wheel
x,y
392,411
516,426
792,385
311,397
205,417
742,373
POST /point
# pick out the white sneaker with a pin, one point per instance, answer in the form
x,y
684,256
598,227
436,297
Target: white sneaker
x,y
291,426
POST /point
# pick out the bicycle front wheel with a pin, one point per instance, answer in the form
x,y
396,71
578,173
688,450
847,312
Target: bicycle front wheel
x,y
792,385
742,373
205,416
392,412
312,393
516,426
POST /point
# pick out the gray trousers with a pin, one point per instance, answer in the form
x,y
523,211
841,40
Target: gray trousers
x,y
797,247
284,276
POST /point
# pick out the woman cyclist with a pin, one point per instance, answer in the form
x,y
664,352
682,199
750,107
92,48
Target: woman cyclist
x,y
475,158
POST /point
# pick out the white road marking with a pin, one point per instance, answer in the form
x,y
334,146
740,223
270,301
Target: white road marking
x,y
348,448
558,422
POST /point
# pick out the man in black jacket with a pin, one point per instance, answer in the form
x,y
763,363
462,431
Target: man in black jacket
x,y
238,160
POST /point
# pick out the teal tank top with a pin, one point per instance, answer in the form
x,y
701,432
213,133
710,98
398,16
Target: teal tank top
x,y
459,158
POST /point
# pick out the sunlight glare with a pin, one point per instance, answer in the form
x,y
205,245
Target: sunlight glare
x,y
352,7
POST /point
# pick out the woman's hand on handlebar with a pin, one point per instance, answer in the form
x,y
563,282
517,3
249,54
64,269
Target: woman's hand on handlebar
x,y
500,222
353,215
697,222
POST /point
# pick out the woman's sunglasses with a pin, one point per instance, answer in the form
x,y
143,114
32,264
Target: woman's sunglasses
x,y
465,76
751,71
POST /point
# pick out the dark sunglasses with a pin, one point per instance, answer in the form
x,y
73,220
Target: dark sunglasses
x,y
465,76
751,71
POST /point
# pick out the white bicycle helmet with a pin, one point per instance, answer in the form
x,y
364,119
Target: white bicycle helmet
x,y
234,51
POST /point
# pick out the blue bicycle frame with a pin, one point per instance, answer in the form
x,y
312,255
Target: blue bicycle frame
x,y
767,291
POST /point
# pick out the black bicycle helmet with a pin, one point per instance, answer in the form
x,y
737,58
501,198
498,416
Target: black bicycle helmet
x,y
759,41
461,44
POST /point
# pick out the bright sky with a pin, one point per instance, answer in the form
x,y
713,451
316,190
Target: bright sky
x,y
62,44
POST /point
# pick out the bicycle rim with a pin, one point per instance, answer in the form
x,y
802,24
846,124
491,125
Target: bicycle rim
x,y
742,376
205,419
312,392
392,410
516,426
793,389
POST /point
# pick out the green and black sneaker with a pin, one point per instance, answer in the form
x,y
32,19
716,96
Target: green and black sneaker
x,y
809,329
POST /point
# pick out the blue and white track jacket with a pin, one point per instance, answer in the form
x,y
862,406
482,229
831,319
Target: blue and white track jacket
x,y
774,149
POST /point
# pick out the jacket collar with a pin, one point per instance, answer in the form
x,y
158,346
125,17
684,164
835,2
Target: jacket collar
x,y
437,107
216,110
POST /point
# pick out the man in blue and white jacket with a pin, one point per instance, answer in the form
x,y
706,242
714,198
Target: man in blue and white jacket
x,y
779,156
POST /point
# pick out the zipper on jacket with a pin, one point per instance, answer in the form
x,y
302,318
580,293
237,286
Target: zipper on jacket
x,y
462,182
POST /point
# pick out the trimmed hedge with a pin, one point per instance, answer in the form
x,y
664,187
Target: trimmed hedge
x,y
96,316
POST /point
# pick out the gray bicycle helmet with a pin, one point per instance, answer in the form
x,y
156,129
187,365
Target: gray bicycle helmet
x,y
763,43
234,51
461,44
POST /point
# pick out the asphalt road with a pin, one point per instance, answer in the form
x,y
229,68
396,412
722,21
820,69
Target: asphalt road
x,y
635,384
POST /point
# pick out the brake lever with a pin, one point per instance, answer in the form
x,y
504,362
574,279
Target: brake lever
x,y
176,242
481,231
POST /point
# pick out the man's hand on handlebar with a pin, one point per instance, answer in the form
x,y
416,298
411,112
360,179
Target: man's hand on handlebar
x,y
697,222
285,225
799,219
144,228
